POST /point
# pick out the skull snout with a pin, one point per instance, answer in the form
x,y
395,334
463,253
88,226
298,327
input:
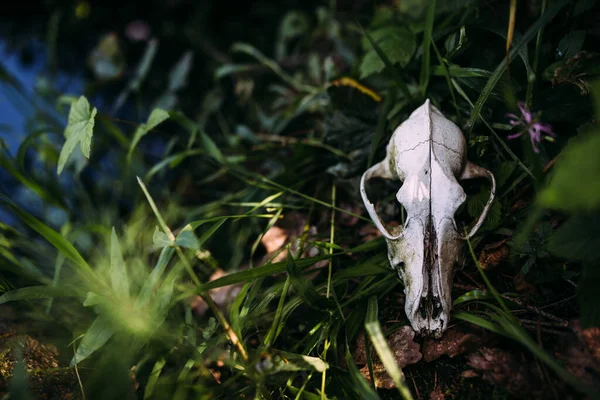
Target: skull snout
x,y
426,270
430,318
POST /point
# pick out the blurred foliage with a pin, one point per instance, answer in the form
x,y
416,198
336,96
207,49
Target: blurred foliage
x,y
200,135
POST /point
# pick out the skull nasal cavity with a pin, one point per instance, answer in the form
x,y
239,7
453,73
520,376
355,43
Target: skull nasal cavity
x,y
430,307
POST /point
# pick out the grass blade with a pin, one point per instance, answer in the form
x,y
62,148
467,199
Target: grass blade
x,y
381,346
275,327
156,370
59,242
35,292
362,387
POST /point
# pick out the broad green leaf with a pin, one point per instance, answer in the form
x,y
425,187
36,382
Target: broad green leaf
x,y
153,279
118,272
575,185
504,171
92,299
373,328
161,239
392,71
187,239
80,129
156,117
571,44
396,41
578,239
96,336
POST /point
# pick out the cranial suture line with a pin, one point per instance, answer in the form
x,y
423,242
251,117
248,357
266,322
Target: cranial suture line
x,y
428,153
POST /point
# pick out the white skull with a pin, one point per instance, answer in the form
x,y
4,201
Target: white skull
x,y
427,152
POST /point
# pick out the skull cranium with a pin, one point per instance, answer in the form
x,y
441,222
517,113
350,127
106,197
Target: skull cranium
x,y
428,153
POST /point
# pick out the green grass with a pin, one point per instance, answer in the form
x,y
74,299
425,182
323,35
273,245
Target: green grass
x,y
109,267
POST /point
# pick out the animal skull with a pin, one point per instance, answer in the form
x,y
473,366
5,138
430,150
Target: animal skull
x,y
428,153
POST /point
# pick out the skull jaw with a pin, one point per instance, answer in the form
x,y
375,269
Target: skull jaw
x,y
427,280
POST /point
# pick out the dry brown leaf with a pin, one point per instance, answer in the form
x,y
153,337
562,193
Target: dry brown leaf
x,y
405,351
591,338
522,286
579,354
287,230
469,374
274,239
380,375
403,346
347,219
369,232
452,343
493,254
359,355
501,368
437,394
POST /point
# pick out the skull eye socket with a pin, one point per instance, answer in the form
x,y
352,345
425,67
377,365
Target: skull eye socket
x,y
462,213
382,193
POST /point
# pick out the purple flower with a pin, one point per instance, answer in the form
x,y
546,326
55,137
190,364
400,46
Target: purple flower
x,y
528,122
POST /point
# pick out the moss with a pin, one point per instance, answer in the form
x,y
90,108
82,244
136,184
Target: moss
x,y
47,378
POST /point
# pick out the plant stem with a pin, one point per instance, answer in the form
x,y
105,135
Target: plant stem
x,y
331,238
531,84
204,294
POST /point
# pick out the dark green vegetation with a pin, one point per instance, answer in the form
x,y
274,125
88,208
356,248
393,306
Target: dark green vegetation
x,y
172,169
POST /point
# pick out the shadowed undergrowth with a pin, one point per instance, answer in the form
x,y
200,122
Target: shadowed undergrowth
x,y
157,249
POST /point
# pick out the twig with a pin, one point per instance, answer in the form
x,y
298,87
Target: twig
x,y
543,323
415,385
537,310
546,330
205,295
79,379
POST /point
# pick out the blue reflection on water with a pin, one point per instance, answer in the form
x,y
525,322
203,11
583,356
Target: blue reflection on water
x,y
19,102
